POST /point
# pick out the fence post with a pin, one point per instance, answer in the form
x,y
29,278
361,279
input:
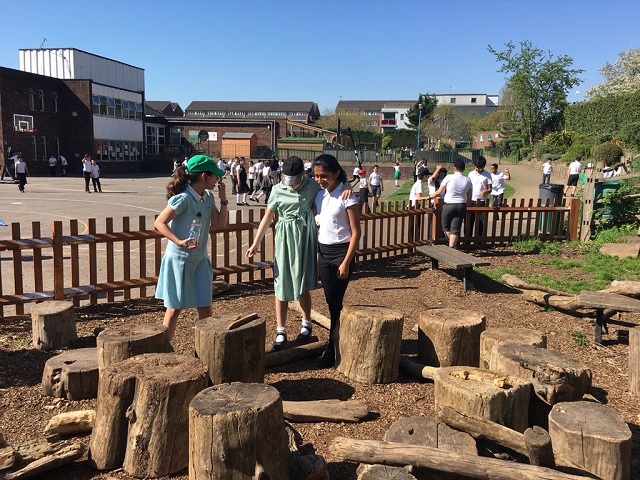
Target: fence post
x,y
58,260
572,223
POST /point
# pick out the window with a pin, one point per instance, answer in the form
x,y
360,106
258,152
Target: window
x,y
402,116
488,137
175,137
118,108
95,104
55,102
44,147
23,123
481,137
138,111
474,100
32,100
111,107
56,141
41,96
452,100
103,105
34,143
152,140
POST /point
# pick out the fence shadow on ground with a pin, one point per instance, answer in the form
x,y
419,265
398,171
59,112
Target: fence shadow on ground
x,y
313,389
12,371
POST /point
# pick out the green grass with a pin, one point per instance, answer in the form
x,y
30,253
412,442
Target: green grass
x,y
401,193
580,339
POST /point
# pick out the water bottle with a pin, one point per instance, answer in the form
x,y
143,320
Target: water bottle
x,y
194,232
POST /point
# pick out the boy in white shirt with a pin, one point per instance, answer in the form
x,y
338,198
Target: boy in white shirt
x,y
573,174
547,168
415,195
95,176
497,185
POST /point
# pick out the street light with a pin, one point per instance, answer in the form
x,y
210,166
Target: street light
x,y
420,107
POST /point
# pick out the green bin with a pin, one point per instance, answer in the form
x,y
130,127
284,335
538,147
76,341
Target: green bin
x,y
553,193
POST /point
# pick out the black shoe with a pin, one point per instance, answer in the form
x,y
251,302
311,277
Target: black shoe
x,y
327,359
304,338
281,339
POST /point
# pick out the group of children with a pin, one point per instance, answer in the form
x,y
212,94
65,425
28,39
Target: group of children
x,y
317,233
91,172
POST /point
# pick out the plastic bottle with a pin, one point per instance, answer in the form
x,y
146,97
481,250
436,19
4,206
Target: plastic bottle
x,y
194,232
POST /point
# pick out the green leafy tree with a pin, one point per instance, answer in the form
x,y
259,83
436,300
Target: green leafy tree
x,y
425,102
540,84
621,76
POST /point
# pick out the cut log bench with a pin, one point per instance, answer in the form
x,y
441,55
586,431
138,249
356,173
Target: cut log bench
x,y
601,301
72,375
454,258
119,343
53,325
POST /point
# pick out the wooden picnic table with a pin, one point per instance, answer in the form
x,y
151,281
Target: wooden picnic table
x,y
601,301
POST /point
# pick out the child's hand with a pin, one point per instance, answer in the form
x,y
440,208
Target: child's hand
x,y
251,251
189,243
343,271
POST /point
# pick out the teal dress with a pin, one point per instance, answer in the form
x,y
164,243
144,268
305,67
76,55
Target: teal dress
x,y
185,278
295,266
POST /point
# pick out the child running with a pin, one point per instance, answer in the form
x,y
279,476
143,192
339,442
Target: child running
x,y
185,279
295,269
338,221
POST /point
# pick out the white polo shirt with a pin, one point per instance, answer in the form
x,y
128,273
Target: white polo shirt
x,y
456,188
332,218
480,181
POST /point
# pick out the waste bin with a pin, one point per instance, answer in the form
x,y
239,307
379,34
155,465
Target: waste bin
x,y
600,190
553,193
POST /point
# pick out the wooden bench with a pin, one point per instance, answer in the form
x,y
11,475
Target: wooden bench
x,y
454,258
601,301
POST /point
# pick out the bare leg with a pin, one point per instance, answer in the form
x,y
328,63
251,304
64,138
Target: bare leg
x,y
171,320
453,240
281,312
305,305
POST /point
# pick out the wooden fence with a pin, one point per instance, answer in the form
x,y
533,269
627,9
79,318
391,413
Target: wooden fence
x,y
95,266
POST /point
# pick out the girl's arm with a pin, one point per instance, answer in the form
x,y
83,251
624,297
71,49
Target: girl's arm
x,y
354,224
162,225
262,229
220,218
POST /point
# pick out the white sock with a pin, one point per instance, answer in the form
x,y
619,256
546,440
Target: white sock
x,y
306,327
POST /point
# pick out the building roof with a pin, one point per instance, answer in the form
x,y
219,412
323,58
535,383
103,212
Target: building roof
x,y
252,106
373,105
238,135
158,105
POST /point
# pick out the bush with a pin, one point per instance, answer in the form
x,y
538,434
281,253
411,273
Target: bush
x,y
525,152
609,153
552,156
578,149
630,135
510,146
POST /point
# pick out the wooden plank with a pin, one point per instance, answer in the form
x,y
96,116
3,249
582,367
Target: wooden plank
x,y
451,256
110,259
74,250
58,260
612,301
126,256
142,249
93,261
17,267
37,259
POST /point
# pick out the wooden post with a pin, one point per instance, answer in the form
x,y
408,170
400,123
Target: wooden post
x,y
500,398
118,343
592,436
142,414
447,337
237,430
496,336
72,375
53,325
634,360
539,449
58,260
232,347
574,219
368,346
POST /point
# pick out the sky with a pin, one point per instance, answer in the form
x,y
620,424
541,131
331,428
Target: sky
x,y
301,50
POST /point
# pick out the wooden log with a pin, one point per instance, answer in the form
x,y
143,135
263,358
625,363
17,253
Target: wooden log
x,y
232,347
119,343
555,377
294,353
8,457
237,431
53,325
72,374
503,399
64,456
539,449
382,472
71,423
142,415
634,360
349,411
317,317
515,282
368,346
38,448
448,337
496,336
304,467
417,369
629,288
545,299
592,436
392,453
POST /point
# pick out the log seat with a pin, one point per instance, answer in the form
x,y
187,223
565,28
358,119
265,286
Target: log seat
x,y
601,301
454,258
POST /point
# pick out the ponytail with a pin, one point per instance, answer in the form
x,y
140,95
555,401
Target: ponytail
x,y
180,180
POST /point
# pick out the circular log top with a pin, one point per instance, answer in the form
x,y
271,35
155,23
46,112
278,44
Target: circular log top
x,y
373,311
226,323
234,397
51,306
130,332
80,358
590,419
164,367
482,382
453,315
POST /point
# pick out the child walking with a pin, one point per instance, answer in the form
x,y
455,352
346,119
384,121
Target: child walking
x,y
338,221
21,171
95,176
185,279
295,269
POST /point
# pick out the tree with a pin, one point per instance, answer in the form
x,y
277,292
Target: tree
x,y
621,76
539,84
427,103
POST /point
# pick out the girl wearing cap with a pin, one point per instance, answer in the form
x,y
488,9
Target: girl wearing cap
x,y
295,267
185,279
338,221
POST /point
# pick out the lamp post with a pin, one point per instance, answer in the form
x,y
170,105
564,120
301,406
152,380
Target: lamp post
x,y
420,106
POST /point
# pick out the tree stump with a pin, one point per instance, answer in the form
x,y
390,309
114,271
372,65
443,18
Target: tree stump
x,y
368,346
237,431
53,325
495,336
555,377
503,399
72,375
232,347
448,337
116,344
593,437
430,432
142,414
634,360
382,472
